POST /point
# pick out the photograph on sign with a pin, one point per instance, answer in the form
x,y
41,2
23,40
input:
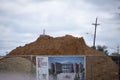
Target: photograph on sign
x,y
62,68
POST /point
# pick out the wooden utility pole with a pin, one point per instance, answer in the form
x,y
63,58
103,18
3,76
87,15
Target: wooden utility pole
x,y
96,24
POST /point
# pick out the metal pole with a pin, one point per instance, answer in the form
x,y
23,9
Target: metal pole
x,y
90,67
118,68
118,62
31,67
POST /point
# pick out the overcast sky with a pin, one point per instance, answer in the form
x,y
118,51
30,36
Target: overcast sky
x,y
22,21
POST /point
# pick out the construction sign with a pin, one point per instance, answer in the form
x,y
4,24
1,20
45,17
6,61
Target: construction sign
x,y
60,67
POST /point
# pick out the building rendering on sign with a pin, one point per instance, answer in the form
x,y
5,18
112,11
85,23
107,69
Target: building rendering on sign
x,y
66,67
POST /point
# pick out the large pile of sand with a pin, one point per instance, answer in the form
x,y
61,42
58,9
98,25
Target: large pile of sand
x,y
103,68
15,64
46,45
16,68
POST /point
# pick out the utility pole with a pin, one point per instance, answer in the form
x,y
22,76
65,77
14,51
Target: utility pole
x,y
95,24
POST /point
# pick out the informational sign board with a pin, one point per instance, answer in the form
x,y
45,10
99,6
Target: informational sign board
x,y
60,67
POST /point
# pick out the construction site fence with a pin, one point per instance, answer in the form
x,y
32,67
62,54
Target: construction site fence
x,y
23,67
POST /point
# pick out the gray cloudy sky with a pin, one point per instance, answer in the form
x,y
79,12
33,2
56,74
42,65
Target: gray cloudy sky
x,y
22,21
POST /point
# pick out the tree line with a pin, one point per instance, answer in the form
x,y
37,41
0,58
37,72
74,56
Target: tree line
x,y
104,49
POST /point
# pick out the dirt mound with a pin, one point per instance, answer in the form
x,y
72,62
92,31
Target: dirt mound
x,y
16,68
15,64
46,45
103,68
